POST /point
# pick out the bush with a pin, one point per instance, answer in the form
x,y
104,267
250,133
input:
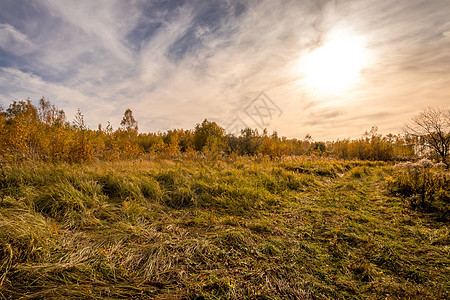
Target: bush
x,y
423,185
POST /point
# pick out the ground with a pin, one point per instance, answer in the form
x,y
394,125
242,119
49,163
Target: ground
x,y
242,228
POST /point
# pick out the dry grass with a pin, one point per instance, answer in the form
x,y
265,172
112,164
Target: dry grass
x,y
238,229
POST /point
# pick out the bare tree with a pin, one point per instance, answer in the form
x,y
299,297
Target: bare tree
x,y
432,129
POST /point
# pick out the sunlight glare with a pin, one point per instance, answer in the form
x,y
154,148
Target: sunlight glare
x,y
336,65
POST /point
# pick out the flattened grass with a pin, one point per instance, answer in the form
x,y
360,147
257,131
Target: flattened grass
x,y
242,229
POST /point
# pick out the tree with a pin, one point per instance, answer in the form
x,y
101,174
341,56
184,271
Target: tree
x,y
129,123
210,135
49,114
78,122
249,141
319,147
23,134
82,148
432,129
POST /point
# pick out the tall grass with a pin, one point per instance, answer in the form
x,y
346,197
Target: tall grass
x,y
245,228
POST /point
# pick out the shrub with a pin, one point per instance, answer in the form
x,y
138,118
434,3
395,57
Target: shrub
x,y
423,184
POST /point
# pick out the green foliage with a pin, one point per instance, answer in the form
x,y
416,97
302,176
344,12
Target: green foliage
x,y
209,135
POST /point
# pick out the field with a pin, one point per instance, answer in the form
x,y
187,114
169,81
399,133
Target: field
x,y
241,228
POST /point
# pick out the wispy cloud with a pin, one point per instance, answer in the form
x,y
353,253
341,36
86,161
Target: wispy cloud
x,y
175,63
13,40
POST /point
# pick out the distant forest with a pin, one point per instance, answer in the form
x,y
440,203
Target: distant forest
x,y
42,132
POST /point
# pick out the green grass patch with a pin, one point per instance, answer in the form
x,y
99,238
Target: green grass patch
x,y
225,229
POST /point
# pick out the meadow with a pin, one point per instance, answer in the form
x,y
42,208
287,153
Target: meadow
x,y
224,228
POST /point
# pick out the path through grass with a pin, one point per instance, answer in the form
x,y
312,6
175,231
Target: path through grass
x,y
297,229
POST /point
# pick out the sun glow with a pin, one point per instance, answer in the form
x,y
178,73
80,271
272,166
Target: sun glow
x,y
336,65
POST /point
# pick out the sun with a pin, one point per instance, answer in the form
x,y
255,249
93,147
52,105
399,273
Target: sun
x,y
336,65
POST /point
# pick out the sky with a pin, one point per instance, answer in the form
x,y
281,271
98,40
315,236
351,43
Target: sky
x,y
331,69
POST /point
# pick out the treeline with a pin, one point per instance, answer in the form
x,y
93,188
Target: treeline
x,y
42,132
374,146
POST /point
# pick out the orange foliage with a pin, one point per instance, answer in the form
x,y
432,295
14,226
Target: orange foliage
x,y
42,132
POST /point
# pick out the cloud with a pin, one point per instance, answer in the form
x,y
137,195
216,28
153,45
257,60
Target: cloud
x,y
14,41
19,86
175,63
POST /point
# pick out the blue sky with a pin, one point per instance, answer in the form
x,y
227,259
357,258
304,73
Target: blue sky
x,y
175,63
